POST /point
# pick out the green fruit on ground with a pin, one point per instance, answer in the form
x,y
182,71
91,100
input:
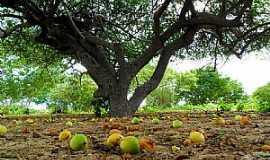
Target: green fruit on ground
x,y
114,139
175,149
135,120
237,117
130,144
155,121
78,142
3,130
69,123
196,137
177,124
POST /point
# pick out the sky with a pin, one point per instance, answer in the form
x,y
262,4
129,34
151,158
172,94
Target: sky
x,y
252,70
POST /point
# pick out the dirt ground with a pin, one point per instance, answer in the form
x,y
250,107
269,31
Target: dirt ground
x,y
39,139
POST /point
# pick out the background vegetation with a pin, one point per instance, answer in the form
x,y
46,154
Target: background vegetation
x,y
66,90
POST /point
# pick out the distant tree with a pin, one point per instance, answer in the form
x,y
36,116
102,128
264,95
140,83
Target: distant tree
x,y
23,81
205,85
261,97
164,95
75,93
114,40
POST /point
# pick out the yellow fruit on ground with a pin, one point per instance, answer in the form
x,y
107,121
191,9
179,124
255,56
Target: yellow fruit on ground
x,y
64,135
114,139
196,137
78,142
130,144
29,120
114,131
220,121
3,130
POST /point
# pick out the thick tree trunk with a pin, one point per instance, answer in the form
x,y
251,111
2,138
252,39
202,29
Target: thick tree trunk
x,y
119,101
119,106
116,93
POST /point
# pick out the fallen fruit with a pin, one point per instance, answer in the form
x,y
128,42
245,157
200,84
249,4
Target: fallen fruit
x,y
155,121
69,123
237,117
3,130
114,131
220,121
130,144
147,144
265,148
135,120
196,137
187,142
245,120
114,139
175,149
29,120
78,142
177,124
64,135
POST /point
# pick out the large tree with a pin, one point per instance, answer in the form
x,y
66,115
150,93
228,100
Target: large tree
x,y
115,39
206,85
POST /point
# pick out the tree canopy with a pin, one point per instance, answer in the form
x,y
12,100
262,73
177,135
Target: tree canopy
x,y
262,97
204,85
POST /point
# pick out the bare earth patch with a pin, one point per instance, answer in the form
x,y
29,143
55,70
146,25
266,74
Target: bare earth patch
x,y
39,140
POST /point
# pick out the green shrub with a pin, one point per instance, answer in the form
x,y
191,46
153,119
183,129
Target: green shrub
x,y
204,85
240,107
16,110
245,104
261,98
74,94
163,97
226,106
101,106
58,107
